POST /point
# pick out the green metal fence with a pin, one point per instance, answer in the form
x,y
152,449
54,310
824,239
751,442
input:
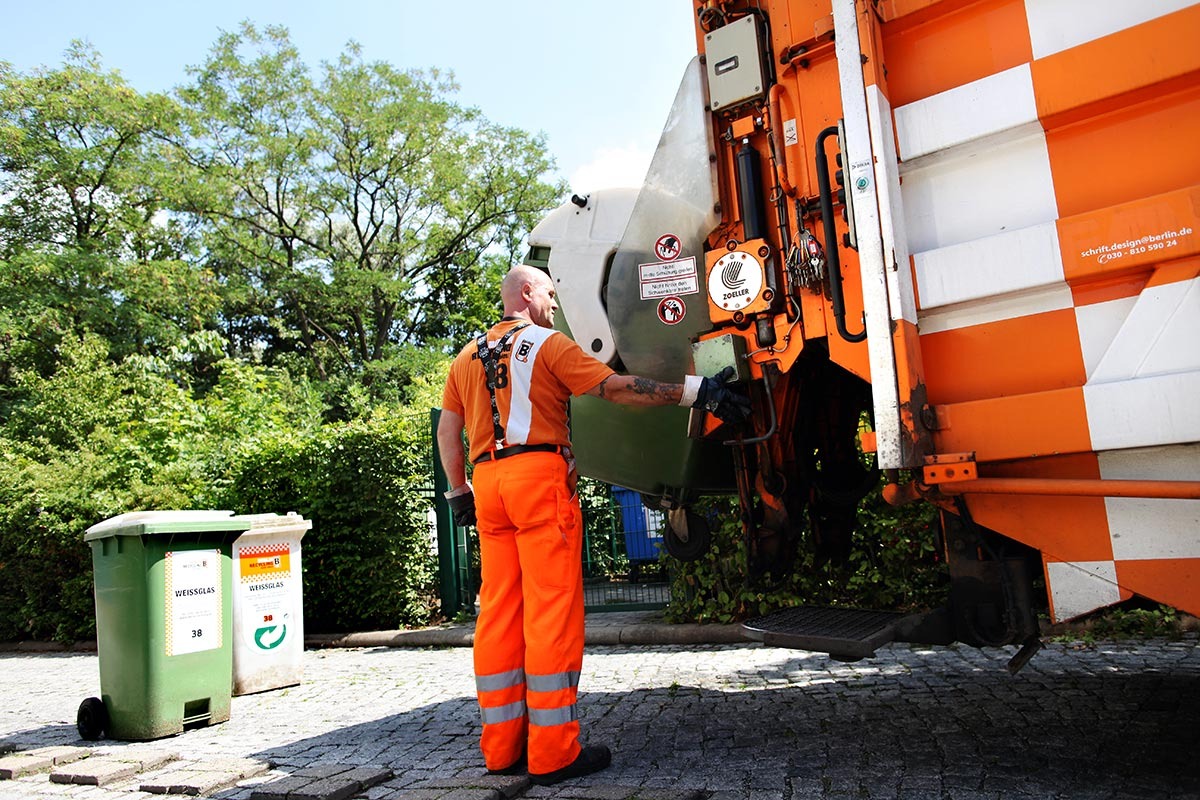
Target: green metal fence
x,y
622,538
621,568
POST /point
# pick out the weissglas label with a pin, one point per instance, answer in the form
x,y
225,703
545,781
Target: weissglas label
x,y
193,602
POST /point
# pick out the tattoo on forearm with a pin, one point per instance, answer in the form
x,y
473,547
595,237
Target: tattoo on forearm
x,y
603,395
654,389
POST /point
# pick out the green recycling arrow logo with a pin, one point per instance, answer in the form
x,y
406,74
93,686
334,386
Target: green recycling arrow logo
x,y
264,639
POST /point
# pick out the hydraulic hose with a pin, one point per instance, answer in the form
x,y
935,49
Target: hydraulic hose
x,y
831,242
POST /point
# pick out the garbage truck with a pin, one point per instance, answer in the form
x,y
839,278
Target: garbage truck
x,y
953,240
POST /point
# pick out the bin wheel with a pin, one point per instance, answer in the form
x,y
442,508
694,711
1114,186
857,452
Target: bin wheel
x,y
92,719
687,535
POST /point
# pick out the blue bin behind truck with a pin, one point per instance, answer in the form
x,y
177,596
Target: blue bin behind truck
x,y
643,526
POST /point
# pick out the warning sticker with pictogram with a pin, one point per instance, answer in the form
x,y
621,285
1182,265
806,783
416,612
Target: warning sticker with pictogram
x,y
668,247
671,310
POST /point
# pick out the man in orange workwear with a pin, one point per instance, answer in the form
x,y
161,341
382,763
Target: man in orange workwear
x,y
510,389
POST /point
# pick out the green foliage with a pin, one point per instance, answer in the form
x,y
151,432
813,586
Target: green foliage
x,y
352,211
96,439
368,562
369,559
1134,619
45,569
86,243
892,565
1143,623
172,271
602,520
409,376
78,157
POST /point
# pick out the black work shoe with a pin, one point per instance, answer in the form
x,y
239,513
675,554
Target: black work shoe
x,y
590,759
518,767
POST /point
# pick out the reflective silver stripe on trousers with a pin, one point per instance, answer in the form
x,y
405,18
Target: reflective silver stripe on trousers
x,y
505,713
553,681
499,680
548,717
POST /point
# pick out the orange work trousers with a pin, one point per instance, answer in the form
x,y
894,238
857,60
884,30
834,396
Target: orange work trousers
x,y
529,635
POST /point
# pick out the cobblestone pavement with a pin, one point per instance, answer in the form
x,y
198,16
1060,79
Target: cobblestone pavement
x,y
727,722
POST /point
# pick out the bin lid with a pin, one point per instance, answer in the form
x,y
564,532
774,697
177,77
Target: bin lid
x,y
137,523
275,524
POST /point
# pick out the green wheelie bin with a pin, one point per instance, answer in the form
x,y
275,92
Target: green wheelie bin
x,y
164,624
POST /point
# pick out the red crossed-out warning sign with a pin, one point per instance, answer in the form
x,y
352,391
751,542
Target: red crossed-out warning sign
x,y
668,247
671,310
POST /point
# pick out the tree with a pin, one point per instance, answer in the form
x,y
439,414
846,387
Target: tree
x,y
368,204
85,243
244,159
422,200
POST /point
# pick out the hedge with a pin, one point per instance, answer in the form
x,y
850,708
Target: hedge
x,y
893,564
97,439
369,560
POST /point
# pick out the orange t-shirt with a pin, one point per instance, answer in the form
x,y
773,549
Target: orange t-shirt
x,y
538,372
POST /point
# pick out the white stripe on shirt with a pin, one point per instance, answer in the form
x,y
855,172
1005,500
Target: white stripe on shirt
x,y
520,371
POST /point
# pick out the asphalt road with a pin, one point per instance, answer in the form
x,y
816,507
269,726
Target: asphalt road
x,y
1110,720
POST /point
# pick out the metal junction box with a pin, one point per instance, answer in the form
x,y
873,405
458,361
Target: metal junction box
x,y
713,355
734,63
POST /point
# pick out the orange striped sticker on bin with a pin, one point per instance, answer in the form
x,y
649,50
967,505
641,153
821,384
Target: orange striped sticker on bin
x,y
260,562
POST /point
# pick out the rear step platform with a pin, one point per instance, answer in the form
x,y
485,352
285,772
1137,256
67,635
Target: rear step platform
x,y
846,634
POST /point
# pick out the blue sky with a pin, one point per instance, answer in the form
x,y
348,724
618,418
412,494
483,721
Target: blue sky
x,y
596,77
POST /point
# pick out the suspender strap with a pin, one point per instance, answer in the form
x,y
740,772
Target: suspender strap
x,y
490,357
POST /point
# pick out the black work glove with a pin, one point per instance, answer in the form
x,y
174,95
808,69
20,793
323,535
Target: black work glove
x,y
717,397
462,508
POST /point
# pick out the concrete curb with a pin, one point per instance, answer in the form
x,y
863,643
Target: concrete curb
x,y
47,647
594,634
598,632
688,633
456,636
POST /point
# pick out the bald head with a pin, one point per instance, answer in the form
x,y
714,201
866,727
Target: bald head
x,y
527,292
515,283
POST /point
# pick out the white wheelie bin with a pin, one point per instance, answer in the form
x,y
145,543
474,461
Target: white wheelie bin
x,y
268,603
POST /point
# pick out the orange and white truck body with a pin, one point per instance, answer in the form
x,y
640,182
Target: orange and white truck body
x,y
1042,192
1023,291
